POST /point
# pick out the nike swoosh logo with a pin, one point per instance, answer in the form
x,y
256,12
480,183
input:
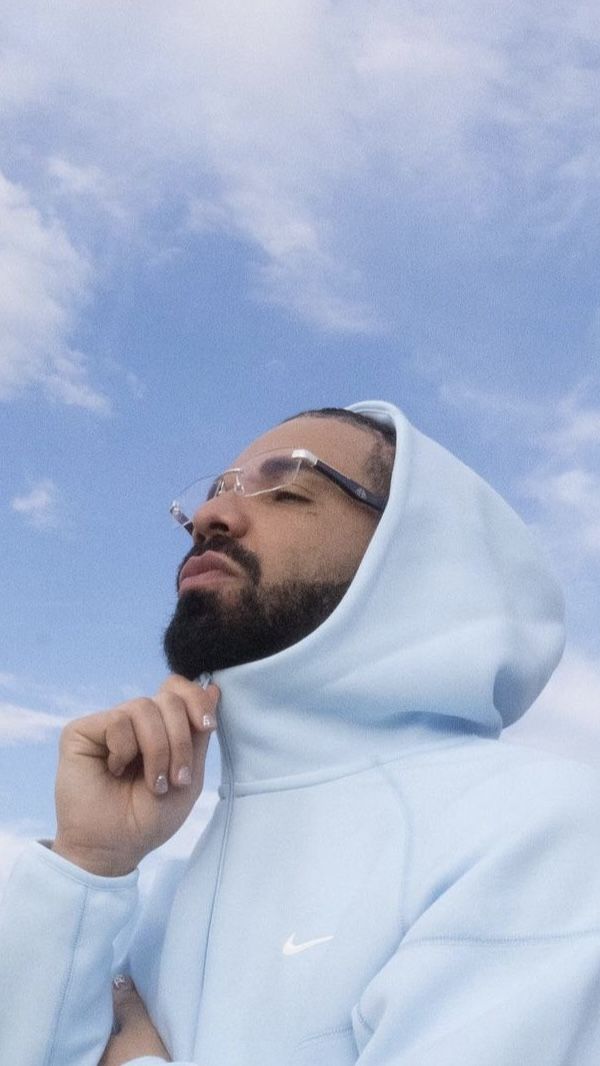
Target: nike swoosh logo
x,y
291,948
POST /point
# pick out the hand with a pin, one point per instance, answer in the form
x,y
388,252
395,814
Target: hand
x,y
128,777
137,1035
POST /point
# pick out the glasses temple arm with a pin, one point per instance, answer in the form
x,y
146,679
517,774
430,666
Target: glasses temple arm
x,y
352,488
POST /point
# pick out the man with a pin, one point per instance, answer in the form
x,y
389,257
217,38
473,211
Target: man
x,y
381,883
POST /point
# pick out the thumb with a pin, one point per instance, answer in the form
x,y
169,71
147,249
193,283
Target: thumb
x,y
127,1003
134,1035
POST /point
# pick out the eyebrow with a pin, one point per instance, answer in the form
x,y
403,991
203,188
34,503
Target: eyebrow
x,y
278,465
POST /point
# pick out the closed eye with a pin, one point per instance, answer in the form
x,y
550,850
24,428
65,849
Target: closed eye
x,y
285,495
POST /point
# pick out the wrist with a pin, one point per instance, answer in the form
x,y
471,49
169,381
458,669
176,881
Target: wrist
x,y
102,862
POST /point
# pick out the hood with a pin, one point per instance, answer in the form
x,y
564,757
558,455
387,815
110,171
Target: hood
x,y
452,625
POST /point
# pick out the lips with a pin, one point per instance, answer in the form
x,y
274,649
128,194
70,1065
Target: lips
x,y
206,563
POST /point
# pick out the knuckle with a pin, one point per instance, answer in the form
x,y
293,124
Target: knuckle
x,y
68,729
177,681
180,689
169,688
76,727
67,733
116,719
125,713
143,705
175,702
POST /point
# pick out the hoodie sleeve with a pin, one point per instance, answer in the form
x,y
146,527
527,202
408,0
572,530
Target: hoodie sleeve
x,y
502,964
57,927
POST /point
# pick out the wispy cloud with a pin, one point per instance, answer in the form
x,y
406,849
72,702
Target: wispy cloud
x,y
22,725
565,484
20,720
43,282
87,183
575,425
39,506
559,426
73,702
566,717
286,123
298,270
501,405
570,503
564,436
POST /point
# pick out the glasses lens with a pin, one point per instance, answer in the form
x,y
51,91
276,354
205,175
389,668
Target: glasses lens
x,y
193,496
269,471
263,473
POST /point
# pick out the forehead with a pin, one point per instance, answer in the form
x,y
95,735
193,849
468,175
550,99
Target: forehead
x,y
338,443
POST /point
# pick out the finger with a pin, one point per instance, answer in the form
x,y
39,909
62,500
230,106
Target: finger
x,y
200,742
179,732
153,744
121,742
201,703
85,736
137,1035
187,742
136,728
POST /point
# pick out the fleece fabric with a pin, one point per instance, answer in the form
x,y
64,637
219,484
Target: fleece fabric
x,y
383,882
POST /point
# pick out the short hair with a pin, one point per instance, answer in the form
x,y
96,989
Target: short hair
x,y
380,462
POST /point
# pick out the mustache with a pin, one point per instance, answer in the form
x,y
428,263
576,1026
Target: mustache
x,y
219,543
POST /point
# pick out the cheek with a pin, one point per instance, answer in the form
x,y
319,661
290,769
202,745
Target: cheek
x,y
346,545
331,554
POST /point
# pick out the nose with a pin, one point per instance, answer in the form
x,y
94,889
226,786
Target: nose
x,y
226,514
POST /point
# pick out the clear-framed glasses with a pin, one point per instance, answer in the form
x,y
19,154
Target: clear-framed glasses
x,y
265,472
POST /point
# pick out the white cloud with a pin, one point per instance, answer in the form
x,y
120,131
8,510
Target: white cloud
x,y
82,181
22,725
39,507
298,271
566,485
566,717
502,405
288,120
72,702
570,503
578,425
563,483
43,283
89,183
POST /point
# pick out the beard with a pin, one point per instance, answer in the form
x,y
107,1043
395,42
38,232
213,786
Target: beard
x,y
207,634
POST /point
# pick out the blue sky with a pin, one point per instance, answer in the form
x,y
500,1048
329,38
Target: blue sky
x,y
214,215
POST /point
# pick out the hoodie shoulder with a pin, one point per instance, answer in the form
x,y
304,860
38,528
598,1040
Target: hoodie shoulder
x,y
507,847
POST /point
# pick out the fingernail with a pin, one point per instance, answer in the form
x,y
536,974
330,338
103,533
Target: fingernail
x,y
184,777
161,785
209,721
121,982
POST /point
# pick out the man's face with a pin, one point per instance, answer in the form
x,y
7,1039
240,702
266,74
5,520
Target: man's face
x,y
290,558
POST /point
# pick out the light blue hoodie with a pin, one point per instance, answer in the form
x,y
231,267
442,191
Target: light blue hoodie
x,y
382,882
